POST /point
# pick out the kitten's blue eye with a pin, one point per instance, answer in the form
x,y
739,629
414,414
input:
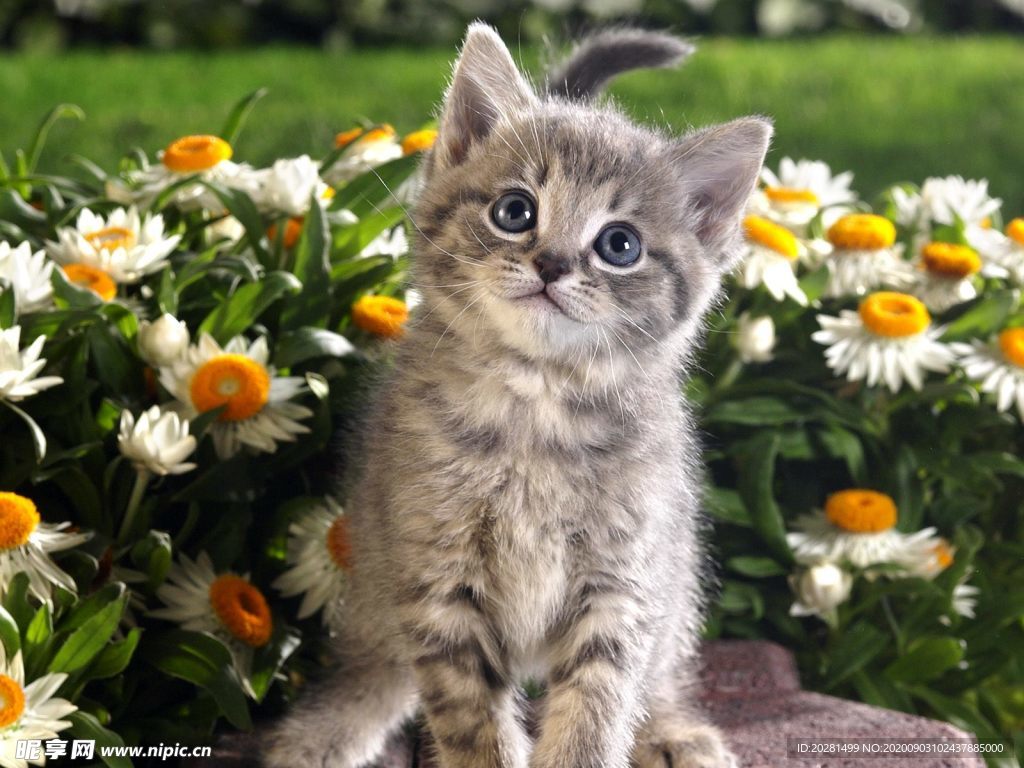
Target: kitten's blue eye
x,y
618,245
514,212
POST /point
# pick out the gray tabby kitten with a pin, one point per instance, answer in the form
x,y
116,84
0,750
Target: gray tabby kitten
x,y
528,503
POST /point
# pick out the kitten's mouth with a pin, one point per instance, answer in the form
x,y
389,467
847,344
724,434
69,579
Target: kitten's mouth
x,y
540,299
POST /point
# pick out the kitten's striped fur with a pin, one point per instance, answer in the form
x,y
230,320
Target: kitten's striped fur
x,y
528,503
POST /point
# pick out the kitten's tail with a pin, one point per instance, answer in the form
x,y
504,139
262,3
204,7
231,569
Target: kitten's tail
x,y
598,59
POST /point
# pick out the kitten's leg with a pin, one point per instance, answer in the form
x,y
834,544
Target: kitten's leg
x,y
592,703
675,735
470,703
345,720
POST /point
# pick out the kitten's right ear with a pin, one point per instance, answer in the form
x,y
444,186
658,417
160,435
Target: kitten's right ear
x,y
486,86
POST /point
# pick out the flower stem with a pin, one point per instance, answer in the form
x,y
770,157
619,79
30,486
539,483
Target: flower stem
x,y
134,502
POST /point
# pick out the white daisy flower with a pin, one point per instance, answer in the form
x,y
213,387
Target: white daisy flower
x,y
225,229
998,367
931,561
800,190
771,254
257,409
820,589
944,200
29,276
864,255
965,599
28,711
19,368
942,276
208,157
123,245
755,338
857,528
390,242
158,442
288,186
26,544
225,605
1003,254
163,341
366,150
320,556
889,340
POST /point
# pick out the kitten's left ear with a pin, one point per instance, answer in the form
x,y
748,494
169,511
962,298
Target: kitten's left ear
x,y
486,86
719,167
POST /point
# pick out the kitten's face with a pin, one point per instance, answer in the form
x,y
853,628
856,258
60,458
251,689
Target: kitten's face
x,y
557,226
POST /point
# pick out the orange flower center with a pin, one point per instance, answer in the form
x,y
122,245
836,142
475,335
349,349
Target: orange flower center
x,y
950,260
943,554
771,236
292,232
418,141
196,153
110,238
862,232
788,195
861,511
1015,231
345,138
12,701
339,543
381,315
1011,341
242,609
894,315
18,518
235,381
93,278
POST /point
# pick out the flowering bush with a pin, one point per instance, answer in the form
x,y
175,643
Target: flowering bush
x,y
183,341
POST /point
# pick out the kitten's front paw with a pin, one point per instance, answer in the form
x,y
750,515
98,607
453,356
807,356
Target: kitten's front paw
x,y
698,746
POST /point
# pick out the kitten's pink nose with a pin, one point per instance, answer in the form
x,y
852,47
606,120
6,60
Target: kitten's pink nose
x,y
551,267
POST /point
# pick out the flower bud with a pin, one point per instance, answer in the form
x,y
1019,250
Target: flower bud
x,y
158,442
163,341
820,589
755,338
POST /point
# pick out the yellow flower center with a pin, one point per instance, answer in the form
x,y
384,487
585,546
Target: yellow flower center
x,y
93,278
292,232
196,153
12,701
943,554
18,518
111,238
235,381
339,543
345,138
1015,231
861,511
382,132
862,232
381,315
418,141
772,236
242,609
894,315
950,260
328,193
1011,341
788,195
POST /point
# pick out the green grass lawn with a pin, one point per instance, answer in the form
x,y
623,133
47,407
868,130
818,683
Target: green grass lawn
x,y
890,109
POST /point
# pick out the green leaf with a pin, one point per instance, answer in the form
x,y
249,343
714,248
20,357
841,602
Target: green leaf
x,y
245,305
60,112
858,645
38,438
739,598
87,641
927,660
16,601
308,343
239,114
311,305
755,412
353,239
374,189
7,308
166,293
114,658
85,726
983,316
725,505
10,636
203,660
241,206
756,567
757,472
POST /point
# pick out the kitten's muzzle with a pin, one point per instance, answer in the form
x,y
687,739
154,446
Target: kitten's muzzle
x,y
551,267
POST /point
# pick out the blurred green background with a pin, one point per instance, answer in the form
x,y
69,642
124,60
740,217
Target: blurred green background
x,y
894,90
